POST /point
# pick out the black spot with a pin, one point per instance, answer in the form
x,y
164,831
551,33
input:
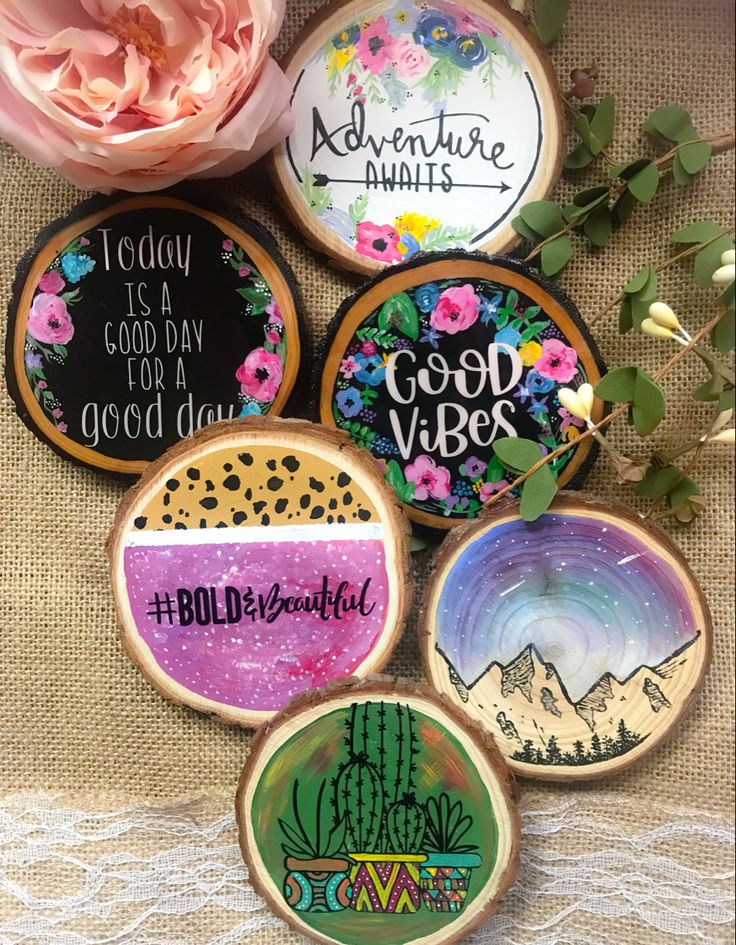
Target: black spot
x,y
265,520
239,518
180,525
271,464
259,506
203,523
172,484
167,499
140,522
305,500
274,483
232,482
246,459
166,518
341,519
180,512
186,515
209,485
347,498
227,467
291,516
364,515
330,519
332,504
221,525
249,493
281,505
343,480
193,473
317,512
291,463
191,486
316,484
209,502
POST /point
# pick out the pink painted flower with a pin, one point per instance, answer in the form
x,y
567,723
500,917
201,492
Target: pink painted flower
x,y
272,336
58,413
260,375
348,367
244,271
42,385
375,46
490,488
428,478
62,427
378,242
49,321
83,241
456,309
51,282
568,420
274,313
410,60
228,246
557,362
369,348
140,95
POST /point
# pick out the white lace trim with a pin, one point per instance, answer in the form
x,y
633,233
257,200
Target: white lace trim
x,y
138,875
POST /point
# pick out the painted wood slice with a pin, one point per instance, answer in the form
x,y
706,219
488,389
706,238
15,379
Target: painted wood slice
x,y
136,321
577,641
374,813
256,560
419,126
434,360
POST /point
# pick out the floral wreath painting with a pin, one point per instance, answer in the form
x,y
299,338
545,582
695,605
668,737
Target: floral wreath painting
x,y
447,317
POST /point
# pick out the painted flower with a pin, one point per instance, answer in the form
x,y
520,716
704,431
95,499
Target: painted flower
x,y
537,383
408,245
490,488
228,246
538,412
250,409
557,361
429,479
375,46
530,352
416,224
348,402
83,241
461,502
33,359
57,414
272,335
507,336
260,375
51,282
410,60
468,51
273,311
348,367
49,320
244,271
369,348
425,296
42,385
371,370
339,222
473,467
456,309
347,37
434,29
378,242
489,307
76,265
430,337
61,427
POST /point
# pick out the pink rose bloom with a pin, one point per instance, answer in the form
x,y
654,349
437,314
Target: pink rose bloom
x,y
456,309
557,361
83,241
491,488
57,413
378,242
49,321
273,337
244,271
139,96
228,246
51,282
368,348
348,367
62,427
410,60
274,313
428,478
260,375
42,385
375,46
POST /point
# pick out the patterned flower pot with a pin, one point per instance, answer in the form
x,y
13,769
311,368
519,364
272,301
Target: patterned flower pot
x,y
444,879
317,885
385,882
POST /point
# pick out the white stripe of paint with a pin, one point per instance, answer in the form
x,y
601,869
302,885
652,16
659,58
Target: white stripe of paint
x,y
247,534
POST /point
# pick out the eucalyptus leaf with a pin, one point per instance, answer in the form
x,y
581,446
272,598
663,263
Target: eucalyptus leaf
x,y
549,18
526,231
579,158
556,255
727,400
628,170
672,123
695,156
587,197
570,212
617,386
709,390
681,176
708,259
643,185
602,124
648,407
723,335
639,280
699,232
516,453
684,489
537,493
624,207
597,226
543,216
625,318
658,482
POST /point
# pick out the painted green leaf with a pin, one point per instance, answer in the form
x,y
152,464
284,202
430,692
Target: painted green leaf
x,y
579,158
556,255
695,156
517,453
598,226
672,123
649,404
537,493
723,335
617,386
684,489
549,18
543,216
643,185
658,482
399,313
698,232
258,298
709,259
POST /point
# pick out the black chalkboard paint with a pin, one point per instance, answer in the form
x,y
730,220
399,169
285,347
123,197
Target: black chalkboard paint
x,y
434,360
135,322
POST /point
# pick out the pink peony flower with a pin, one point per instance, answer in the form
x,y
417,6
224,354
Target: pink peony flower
x,y
139,96
456,309
49,321
260,375
557,362
410,60
375,46
428,478
51,282
490,488
378,242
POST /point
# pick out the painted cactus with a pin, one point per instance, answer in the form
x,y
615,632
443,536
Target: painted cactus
x,y
359,797
405,825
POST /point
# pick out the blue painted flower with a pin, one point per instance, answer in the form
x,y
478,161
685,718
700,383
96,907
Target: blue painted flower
x,y
249,409
468,51
538,412
33,359
434,29
339,222
408,244
538,384
425,296
522,394
507,336
489,307
348,402
76,265
372,369
430,336
346,37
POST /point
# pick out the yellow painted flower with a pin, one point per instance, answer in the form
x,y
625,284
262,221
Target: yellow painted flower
x,y
415,224
339,59
570,434
529,353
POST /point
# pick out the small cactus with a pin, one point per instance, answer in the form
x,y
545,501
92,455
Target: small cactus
x,y
405,825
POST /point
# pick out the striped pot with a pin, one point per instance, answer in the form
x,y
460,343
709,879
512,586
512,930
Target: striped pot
x,y
385,882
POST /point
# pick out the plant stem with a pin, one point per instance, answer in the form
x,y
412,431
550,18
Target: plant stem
x,y
613,415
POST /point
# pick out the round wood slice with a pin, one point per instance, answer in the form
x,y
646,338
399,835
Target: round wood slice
x,y
374,812
432,361
256,560
578,641
135,321
418,126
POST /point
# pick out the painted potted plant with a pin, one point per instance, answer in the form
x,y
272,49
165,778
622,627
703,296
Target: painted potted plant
x,y
445,872
375,795
317,870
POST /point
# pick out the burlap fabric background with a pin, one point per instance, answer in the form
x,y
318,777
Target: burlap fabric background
x,y
77,719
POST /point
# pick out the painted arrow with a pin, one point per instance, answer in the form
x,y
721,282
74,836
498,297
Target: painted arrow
x,y
322,180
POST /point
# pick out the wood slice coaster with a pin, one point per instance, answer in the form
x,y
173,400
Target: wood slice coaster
x,y
578,640
418,126
256,560
373,812
435,359
135,321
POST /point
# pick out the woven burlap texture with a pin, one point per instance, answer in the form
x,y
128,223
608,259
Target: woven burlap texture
x,y
78,718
